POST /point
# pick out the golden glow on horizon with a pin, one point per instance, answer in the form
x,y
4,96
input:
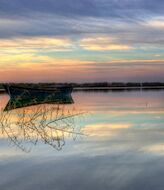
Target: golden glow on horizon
x,y
40,62
34,57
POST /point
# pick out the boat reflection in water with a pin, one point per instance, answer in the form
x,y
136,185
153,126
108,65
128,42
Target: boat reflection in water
x,y
28,120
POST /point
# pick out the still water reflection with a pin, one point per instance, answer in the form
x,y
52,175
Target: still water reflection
x,y
120,146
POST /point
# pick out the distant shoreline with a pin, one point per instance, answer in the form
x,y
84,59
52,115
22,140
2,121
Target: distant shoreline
x,y
118,88
96,85
109,88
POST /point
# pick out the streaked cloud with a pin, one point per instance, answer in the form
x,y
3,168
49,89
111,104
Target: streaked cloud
x,y
119,8
99,39
37,42
156,22
102,44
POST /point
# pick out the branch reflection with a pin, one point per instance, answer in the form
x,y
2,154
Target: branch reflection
x,y
50,123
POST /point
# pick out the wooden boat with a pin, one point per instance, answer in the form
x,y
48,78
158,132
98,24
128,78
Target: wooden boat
x,y
26,96
17,90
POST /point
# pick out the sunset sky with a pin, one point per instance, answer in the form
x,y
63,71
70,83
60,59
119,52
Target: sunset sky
x,y
81,40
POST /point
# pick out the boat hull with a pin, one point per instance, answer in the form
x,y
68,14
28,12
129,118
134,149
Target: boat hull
x,y
22,97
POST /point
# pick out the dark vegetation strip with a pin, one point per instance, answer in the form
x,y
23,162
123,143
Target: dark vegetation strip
x,y
97,85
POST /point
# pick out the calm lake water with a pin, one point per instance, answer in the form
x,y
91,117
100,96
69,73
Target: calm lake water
x,y
112,140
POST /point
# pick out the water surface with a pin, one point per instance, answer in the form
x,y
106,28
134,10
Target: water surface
x,y
118,145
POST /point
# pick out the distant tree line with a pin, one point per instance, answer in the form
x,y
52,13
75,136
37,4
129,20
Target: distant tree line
x,y
114,84
96,84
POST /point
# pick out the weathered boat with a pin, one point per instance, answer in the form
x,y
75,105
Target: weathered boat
x,y
26,96
16,90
